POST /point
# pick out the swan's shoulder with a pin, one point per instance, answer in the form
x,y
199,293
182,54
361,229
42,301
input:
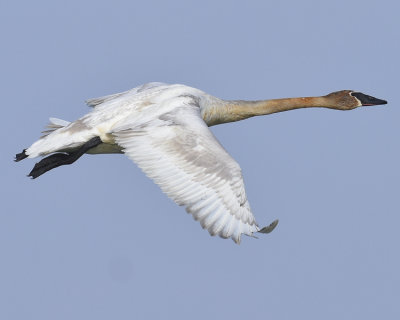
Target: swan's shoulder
x,y
143,104
140,89
156,91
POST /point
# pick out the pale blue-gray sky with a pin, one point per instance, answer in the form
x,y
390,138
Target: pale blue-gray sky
x,y
98,240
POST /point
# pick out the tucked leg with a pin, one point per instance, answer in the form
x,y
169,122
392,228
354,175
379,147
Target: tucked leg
x,y
60,159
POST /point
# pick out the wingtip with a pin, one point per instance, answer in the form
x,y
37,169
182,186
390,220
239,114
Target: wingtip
x,y
269,228
236,240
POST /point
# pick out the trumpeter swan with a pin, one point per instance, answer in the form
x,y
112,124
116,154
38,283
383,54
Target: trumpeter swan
x,y
164,130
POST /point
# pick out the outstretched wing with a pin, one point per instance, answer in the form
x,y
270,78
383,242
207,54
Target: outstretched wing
x,y
178,151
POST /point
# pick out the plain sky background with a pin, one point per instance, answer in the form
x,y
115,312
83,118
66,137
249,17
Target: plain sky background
x,y
98,240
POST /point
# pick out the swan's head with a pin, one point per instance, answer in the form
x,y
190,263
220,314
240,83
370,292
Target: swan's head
x,y
348,99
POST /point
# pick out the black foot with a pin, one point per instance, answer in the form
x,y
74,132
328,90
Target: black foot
x,y
48,163
60,159
20,156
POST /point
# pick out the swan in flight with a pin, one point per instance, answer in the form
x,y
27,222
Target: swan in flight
x,y
164,129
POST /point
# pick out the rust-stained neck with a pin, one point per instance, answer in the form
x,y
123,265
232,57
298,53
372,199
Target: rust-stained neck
x,y
235,110
218,111
264,107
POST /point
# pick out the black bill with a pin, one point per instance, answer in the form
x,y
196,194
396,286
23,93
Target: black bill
x,y
367,100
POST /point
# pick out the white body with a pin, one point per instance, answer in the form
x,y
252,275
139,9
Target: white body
x,y
164,130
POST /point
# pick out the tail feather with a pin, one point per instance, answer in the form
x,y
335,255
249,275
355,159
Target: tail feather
x,y
53,125
60,136
62,142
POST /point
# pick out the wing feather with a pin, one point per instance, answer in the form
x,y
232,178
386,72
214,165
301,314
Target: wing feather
x,y
94,102
181,155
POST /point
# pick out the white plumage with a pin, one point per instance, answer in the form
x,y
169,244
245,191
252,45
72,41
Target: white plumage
x,y
164,130
161,129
